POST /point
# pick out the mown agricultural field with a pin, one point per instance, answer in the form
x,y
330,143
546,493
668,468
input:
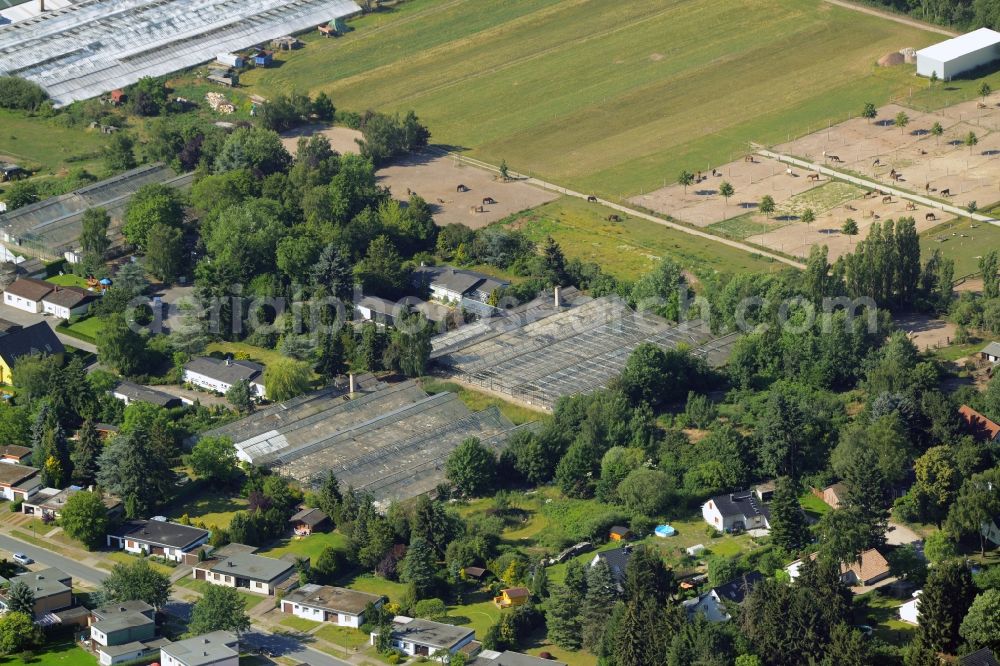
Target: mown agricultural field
x,y
605,96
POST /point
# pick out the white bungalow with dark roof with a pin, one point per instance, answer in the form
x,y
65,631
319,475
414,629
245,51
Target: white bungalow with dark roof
x,y
739,511
324,603
27,294
245,570
219,375
67,302
171,541
219,648
129,392
451,285
423,638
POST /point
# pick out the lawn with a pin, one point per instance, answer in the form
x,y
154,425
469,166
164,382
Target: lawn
x,y
68,280
214,508
299,623
478,401
311,546
47,145
88,329
124,558
882,614
813,506
344,636
963,250
740,227
201,586
602,96
62,654
366,582
632,247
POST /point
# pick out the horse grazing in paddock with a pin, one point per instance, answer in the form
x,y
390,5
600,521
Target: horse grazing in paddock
x,y
946,192
813,176
930,216
886,199
591,199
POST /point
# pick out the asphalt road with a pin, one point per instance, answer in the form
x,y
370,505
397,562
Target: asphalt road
x,y
48,558
284,646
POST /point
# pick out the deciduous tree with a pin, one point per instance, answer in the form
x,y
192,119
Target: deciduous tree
x,y
85,518
219,609
136,581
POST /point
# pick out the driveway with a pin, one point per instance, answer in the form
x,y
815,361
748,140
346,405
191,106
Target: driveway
x,y
900,535
74,568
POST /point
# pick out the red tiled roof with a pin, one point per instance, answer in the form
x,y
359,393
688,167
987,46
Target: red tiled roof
x,y
982,428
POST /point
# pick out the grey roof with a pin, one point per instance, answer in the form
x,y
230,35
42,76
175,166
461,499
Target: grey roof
x,y
737,590
617,560
220,370
161,533
45,582
204,649
741,503
121,608
993,349
983,657
7,326
134,646
134,391
377,304
257,567
436,635
332,599
122,621
309,516
509,658
453,279
35,339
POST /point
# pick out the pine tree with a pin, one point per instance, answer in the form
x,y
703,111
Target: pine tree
x,y
86,453
866,493
540,582
943,604
329,498
562,618
419,565
788,523
330,356
646,575
643,636
554,262
576,578
602,593
21,599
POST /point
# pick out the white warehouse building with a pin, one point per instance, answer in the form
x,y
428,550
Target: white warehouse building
x,y
952,57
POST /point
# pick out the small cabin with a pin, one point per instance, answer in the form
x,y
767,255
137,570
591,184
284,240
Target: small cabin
x,y
117,97
263,58
620,533
512,596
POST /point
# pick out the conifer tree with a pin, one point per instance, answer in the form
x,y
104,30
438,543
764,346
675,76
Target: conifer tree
x,y
788,523
601,595
562,618
86,453
943,604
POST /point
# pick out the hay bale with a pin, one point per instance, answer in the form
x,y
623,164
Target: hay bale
x,y
891,60
909,55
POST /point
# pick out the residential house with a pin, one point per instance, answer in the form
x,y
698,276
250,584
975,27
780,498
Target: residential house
x,y
219,375
736,512
16,454
171,541
26,294
452,285
377,309
18,482
35,339
833,495
512,596
991,530
129,392
52,588
508,658
124,632
712,604
244,570
871,568
49,503
219,648
307,521
324,603
617,561
979,426
981,657
619,533
909,611
67,302
991,353
477,574
423,638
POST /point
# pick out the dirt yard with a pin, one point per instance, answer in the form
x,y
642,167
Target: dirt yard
x,y
927,332
342,139
436,179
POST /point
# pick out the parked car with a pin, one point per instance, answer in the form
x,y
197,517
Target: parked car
x,y
21,558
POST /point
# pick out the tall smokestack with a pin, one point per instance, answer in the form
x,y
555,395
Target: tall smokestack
x,y
558,298
350,379
41,5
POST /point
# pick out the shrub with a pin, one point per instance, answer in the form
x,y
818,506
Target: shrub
x,y
16,93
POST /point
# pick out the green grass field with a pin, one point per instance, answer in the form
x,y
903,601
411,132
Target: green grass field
x,y
606,97
61,654
632,247
46,145
213,508
478,401
311,546
88,329
121,557
965,251
68,280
